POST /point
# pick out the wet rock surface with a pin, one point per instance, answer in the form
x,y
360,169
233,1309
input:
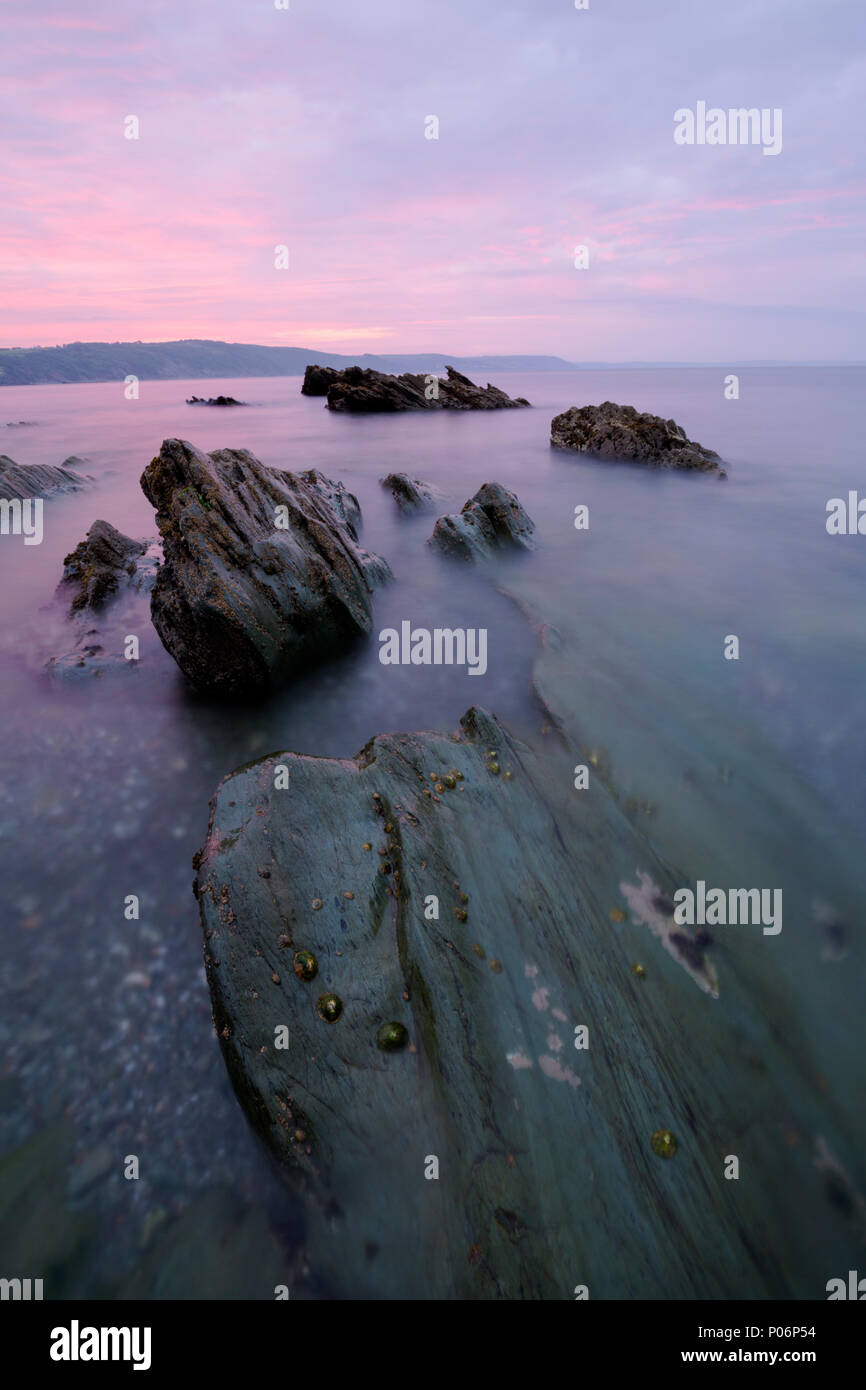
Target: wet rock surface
x,y
621,432
261,579
410,494
412,1035
37,480
343,504
361,390
490,521
96,568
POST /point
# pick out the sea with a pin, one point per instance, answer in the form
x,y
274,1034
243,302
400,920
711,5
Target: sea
x,y
108,1050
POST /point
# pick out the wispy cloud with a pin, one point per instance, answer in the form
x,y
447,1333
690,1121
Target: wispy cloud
x,y
306,128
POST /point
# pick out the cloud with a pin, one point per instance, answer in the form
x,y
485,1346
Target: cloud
x,y
306,128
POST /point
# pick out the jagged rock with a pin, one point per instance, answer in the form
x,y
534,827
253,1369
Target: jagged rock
x,y
98,565
37,480
317,380
97,572
620,431
491,520
410,494
361,390
214,400
343,503
261,578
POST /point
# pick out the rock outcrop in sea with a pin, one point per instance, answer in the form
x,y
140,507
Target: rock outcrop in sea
x,y
410,494
621,432
361,390
24,480
492,520
102,562
262,578
214,400
101,569
318,379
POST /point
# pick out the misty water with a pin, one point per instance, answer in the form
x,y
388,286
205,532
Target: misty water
x,y
108,1047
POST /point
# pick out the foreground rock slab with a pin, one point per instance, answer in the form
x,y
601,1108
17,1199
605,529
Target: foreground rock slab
x,y
402,949
621,432
360,390
490,521
19,480
261,579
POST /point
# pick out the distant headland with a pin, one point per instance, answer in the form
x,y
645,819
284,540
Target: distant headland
x,y
200,358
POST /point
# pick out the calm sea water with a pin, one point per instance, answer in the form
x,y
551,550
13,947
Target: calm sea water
x,y
107,1042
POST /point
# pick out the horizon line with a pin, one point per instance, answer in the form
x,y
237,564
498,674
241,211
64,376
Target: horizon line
x,y
432,352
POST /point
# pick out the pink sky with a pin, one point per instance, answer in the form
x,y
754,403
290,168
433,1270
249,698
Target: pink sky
x,y
261,127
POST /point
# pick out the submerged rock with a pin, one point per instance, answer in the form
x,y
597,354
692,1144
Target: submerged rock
x,y
491,520
620,431
261,578
318,379
89,660
37,480
214,400
187,1258
361,390
94,571
42,1237
410,494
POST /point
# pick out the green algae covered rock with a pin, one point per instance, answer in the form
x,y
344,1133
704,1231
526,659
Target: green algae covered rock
x,y
506,1150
